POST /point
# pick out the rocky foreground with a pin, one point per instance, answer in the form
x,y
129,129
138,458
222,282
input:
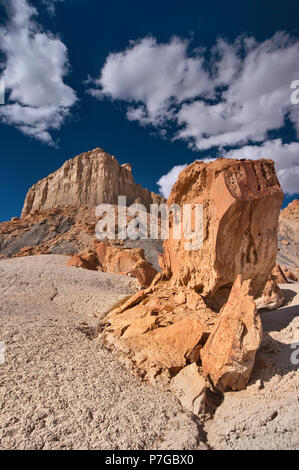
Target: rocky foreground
x,y
265,415
200,358
61,389
202,308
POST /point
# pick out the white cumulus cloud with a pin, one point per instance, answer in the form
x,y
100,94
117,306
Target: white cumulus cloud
x,y
155,77
35,65
231,96
256,101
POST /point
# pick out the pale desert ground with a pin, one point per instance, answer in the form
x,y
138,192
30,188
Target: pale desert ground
x,y
61,389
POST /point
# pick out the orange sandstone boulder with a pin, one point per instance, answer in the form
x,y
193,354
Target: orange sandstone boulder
x,y
229,354
90,257
144,273
122,260
118,260
241,202
86,260
101,249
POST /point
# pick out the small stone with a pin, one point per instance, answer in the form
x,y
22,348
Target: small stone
x,y
272,297
189,386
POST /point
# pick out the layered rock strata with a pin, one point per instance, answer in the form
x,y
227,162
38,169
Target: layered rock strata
x,y
90,179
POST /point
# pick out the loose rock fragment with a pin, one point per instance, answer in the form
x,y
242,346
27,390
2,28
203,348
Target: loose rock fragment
x,y
189,386
272,297
229,354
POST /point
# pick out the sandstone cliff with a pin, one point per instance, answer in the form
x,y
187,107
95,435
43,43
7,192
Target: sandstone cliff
x,y
90,179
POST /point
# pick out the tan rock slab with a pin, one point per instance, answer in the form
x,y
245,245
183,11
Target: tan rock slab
x,y
189,386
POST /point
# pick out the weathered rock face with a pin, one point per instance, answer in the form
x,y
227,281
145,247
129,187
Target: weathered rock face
x,y
90,179
229,354
288,236
241,203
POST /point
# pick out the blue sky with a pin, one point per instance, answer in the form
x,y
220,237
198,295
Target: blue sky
x,y
157,84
